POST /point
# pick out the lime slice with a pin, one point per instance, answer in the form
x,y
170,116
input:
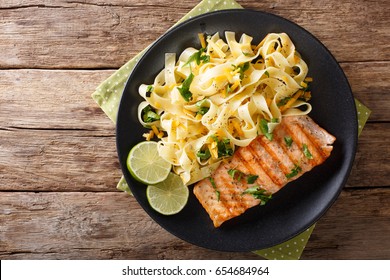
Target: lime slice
x,y
146,165
168,197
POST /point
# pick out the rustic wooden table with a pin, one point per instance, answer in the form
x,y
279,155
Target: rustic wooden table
x,y
58,162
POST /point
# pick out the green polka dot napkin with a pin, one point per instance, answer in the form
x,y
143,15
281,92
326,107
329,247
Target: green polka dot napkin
x,y
108,95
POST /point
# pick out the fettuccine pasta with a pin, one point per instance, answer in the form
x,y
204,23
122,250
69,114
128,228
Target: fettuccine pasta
x,y
213,99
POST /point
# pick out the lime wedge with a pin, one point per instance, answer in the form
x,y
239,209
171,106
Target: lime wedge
x,y
146,165
168,197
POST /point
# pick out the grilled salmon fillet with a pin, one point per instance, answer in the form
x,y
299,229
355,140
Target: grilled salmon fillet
x,y
257,171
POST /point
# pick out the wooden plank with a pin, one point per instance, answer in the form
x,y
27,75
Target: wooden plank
x,y
87,226
113,226
370,83
58,160
371,165
60,34
356,227
52,99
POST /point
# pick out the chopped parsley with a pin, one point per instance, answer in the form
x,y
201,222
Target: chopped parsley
x,y
149,115
203,154
224,147
251,178
185,88
294,172
238,175
288,140
202,108
258,193
198,57
266,73
306,152
284,101
211,179
264,129
149,90
235,174
241,69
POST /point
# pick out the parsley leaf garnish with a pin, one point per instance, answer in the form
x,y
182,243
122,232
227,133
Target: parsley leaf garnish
x,y
238,175
234,172
224,147
284,101
288,140
294,172
149,115
202,108
306,152
258,193
185,88
203,154
211,179
251,178
149,90
264,129
198,57
243,68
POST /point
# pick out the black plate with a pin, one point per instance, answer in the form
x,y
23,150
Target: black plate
x,y
299,204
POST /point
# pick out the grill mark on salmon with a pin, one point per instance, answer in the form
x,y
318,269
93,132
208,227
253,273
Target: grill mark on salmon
x,y
299,137
253,162
272,161
277,152
287,151
317,135
268,162
263,180
296,149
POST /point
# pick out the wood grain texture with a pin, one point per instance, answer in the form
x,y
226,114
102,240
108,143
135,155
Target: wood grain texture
x,y
370,83
60,34
353,228
82,225
52,99
58,162
371,166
